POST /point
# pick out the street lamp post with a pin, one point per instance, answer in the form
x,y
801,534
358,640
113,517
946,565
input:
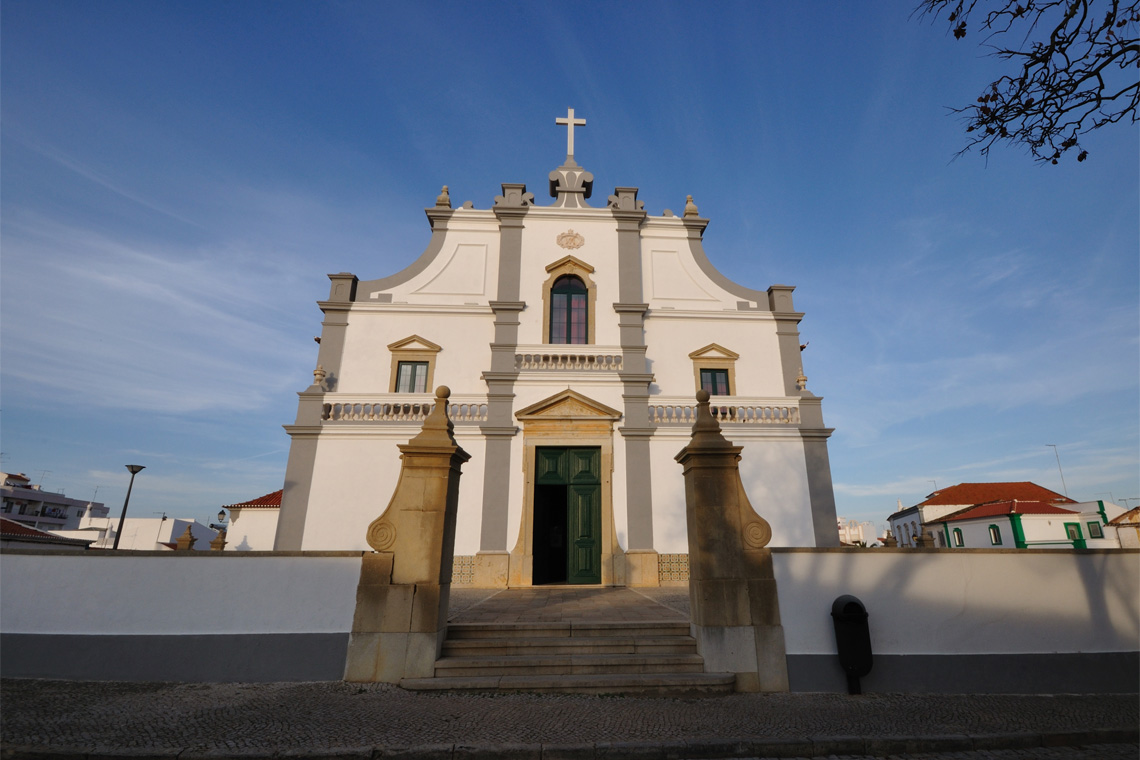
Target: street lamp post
x,y
134,468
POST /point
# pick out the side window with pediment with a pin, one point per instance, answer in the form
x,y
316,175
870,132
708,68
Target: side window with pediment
x,y
569,296
714,369
413,365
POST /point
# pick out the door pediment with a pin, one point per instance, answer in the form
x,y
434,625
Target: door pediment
x,y
568,405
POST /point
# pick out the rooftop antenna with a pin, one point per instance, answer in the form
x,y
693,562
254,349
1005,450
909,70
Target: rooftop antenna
x,y
42,474
1063,486
935,482
1110,496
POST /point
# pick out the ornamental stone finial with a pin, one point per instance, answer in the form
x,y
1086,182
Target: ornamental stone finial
x,y
706,428
438,429
319,376
690,207
801,381
443,200
186,541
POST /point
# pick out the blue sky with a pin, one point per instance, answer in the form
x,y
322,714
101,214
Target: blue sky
x,y
178,179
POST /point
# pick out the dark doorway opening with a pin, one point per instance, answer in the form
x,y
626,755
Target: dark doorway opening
x,y
549,534
567,540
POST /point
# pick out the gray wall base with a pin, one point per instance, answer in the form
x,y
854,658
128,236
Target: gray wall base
x,y
217,658
1076,673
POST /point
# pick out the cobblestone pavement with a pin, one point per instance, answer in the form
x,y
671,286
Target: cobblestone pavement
x,y
353,720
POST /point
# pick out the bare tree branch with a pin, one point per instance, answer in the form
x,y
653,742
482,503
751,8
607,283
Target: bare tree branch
x,y
1077,69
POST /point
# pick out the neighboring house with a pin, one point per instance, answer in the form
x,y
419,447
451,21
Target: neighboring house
x,y
1127,526
854,533
14,535
27,503
142,533
253,524
573,338
924,518
1017,524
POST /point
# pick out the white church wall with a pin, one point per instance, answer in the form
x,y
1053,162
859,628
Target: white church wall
x,y
464,271
672,337
774,474
670,529
354,476
540,249
976,614
462,334
469,518
671,277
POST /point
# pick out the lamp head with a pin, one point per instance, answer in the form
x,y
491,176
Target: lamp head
x,y
134,468
221,515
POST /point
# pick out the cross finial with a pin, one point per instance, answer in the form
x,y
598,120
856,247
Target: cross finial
x,y
570,123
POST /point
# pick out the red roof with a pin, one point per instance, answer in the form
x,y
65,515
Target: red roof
x,y
268,501
1131,517
19,531
981,493
1012,506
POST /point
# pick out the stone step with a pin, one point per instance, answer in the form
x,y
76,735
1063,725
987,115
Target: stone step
x,y
569,664
565,630
653,684
570,646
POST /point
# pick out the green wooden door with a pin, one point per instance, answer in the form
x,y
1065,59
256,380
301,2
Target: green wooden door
x,y
568,482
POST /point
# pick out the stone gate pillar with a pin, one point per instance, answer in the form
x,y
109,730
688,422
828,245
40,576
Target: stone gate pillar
x,y
401,600
735,612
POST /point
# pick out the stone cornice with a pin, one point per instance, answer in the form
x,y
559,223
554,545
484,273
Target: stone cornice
x,y
498,306
631,308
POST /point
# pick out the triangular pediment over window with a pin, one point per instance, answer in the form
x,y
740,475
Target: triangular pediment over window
x,y
413,343
714,351
568,405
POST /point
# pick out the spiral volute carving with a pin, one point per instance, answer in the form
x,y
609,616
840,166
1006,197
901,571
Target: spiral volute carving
x,y
757,534
381,535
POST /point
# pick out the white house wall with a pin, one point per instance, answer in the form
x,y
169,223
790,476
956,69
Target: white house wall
x,y
252,529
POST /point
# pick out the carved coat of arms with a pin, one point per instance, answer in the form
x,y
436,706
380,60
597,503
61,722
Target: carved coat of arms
x,y
570,239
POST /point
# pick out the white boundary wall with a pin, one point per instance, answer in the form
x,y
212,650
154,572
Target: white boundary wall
x,y
209,616
971,621
973,617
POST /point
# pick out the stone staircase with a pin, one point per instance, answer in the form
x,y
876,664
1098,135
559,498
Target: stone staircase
x,y
633,657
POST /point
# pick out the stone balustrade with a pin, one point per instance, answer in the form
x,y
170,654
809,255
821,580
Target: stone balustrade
x,y
398,408
570,358
681,411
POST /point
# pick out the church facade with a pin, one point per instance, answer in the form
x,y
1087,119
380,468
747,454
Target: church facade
x,y
573,338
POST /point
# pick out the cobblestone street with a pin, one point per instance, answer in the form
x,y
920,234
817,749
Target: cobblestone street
x,y
353,720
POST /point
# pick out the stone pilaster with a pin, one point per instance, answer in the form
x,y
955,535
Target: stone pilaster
x,y
732,589
401,601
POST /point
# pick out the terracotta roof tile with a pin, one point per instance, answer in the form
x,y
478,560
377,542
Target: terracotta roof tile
x,y
268,501
17,530
1009,506
980,493
1131,517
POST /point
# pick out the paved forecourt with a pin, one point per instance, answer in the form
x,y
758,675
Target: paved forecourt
x,y
97,720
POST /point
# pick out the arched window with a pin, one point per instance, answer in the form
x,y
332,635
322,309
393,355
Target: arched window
x,y
957,537
568,311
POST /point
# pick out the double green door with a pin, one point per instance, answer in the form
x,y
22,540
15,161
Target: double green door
x,y
567,516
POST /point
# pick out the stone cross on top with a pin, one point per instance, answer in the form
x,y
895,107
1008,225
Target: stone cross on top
x,y
570,123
